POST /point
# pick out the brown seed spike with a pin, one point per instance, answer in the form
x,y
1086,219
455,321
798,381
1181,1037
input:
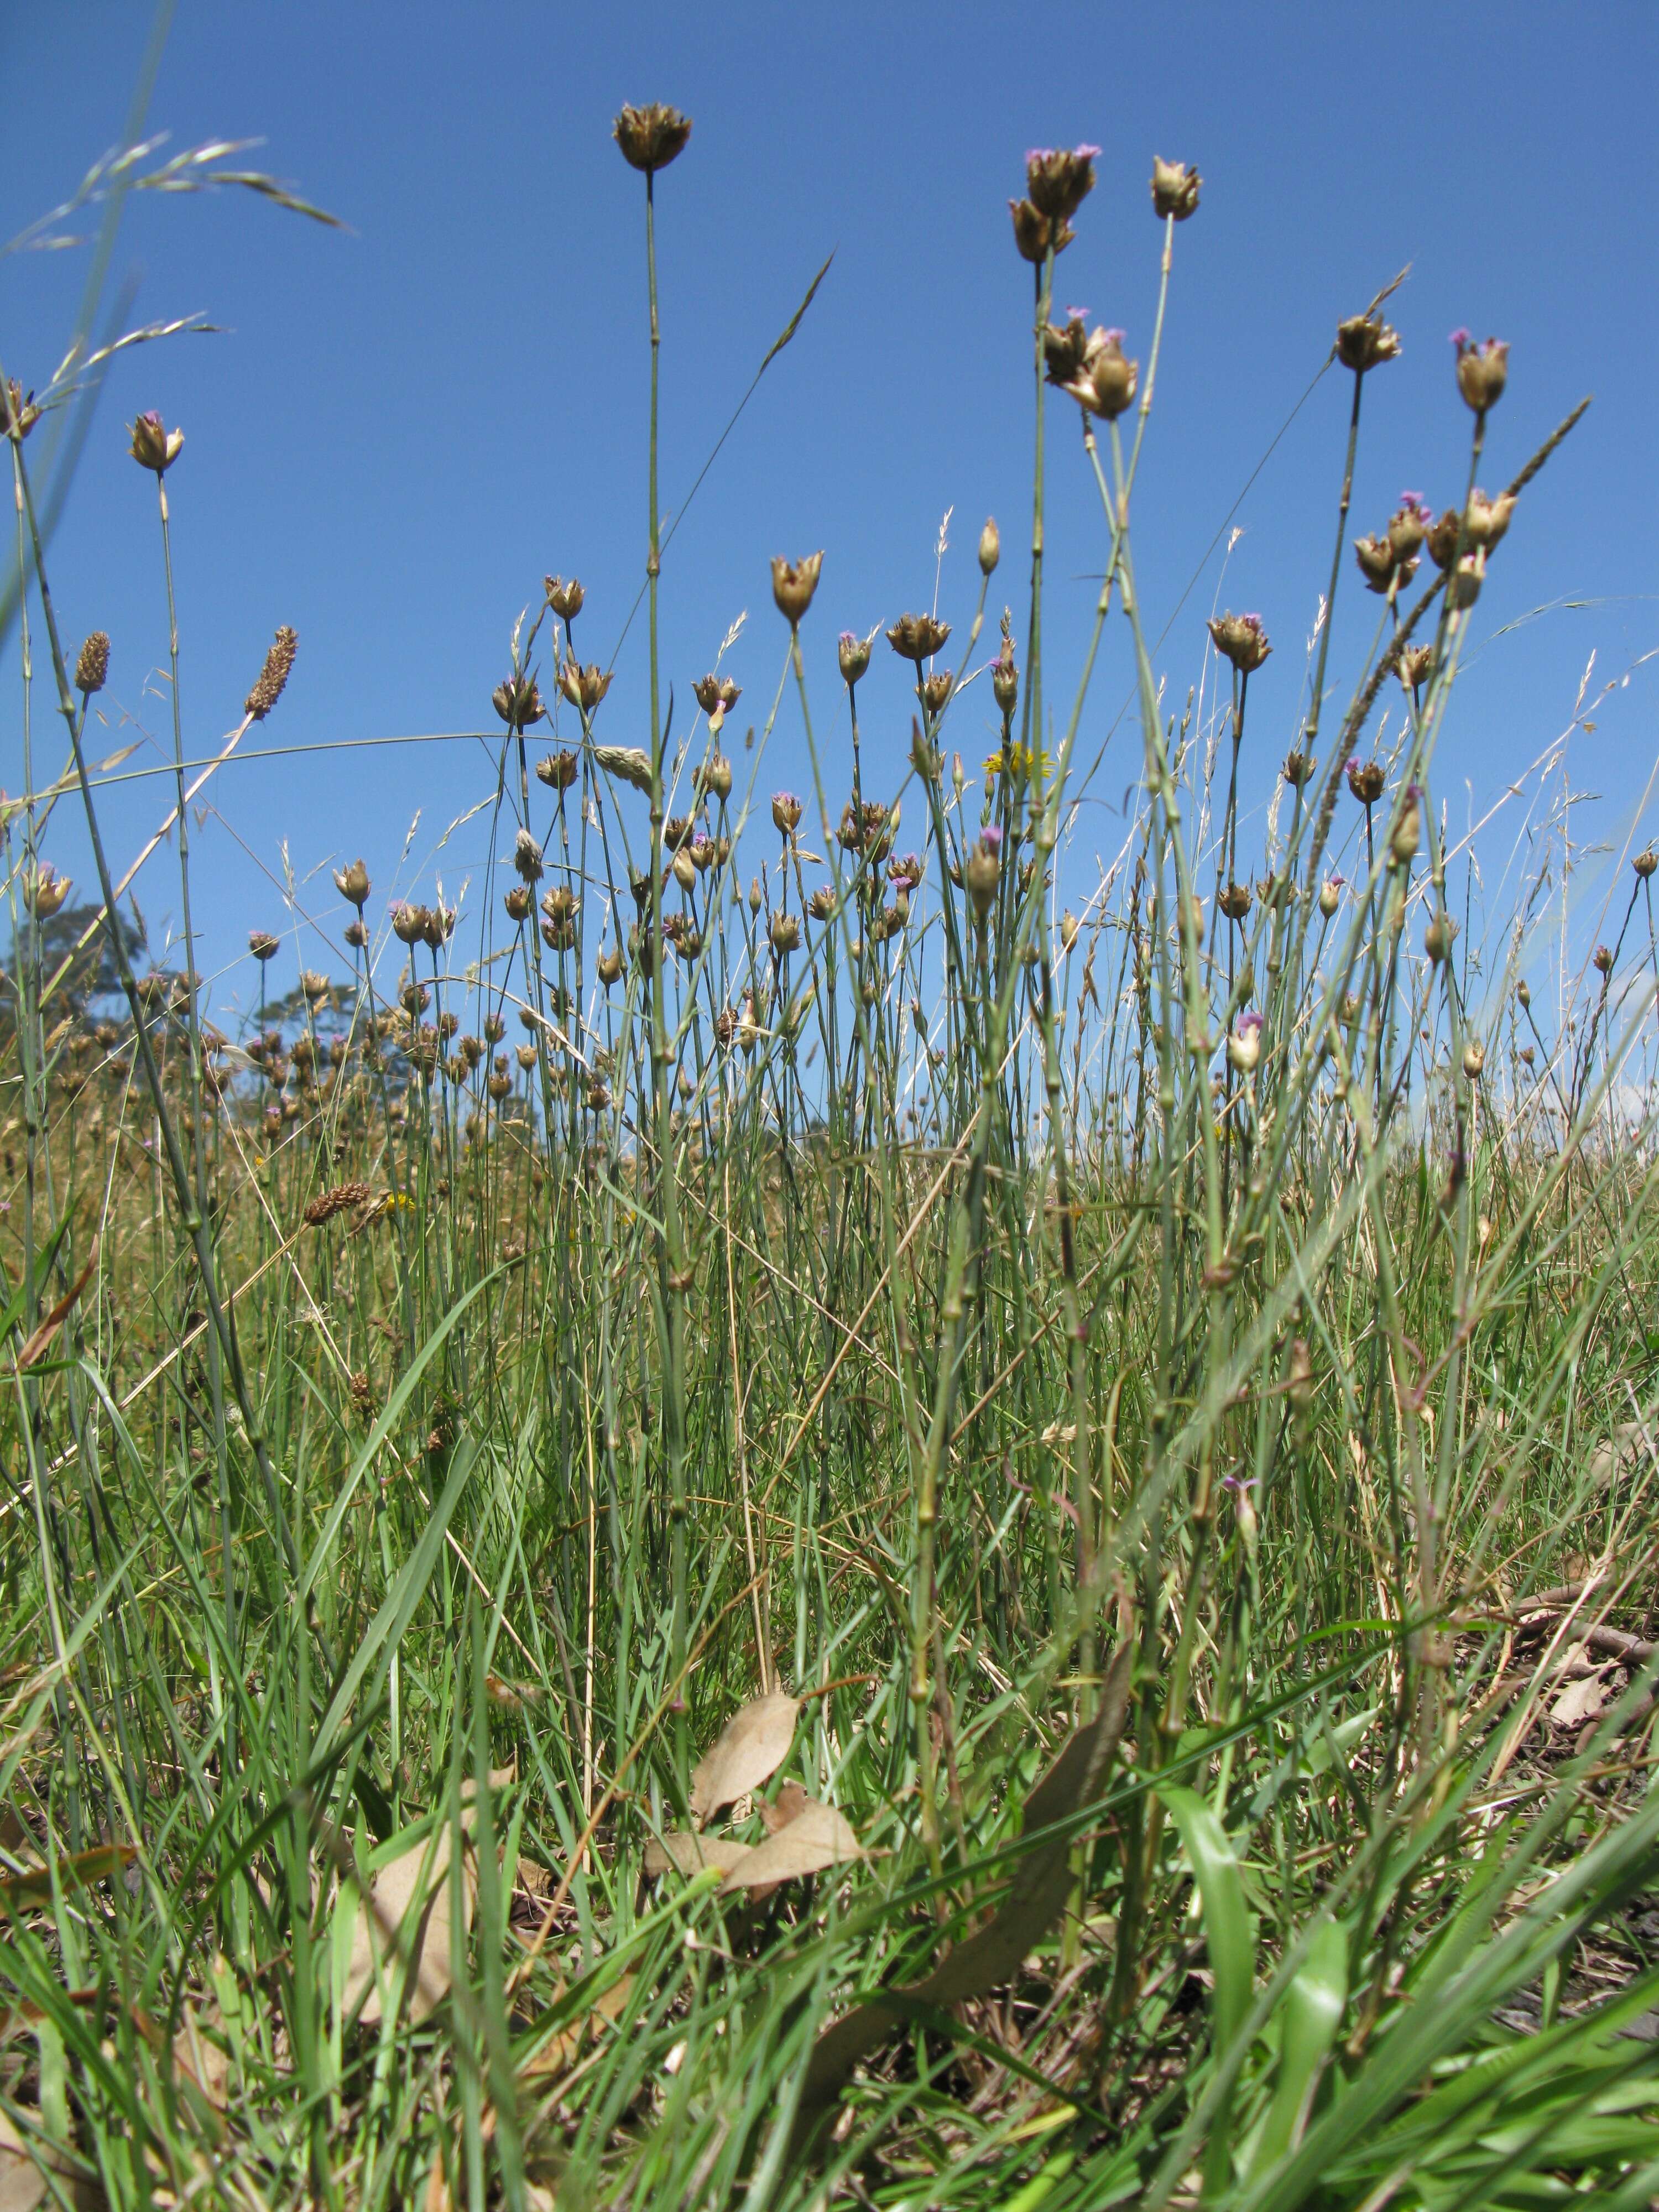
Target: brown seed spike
x,y
273,676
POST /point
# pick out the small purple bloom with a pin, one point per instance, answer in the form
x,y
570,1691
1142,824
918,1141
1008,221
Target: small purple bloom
x,y
1115,338
847,637
1460,337
1232,1482
991,837
1337,882
1086,153
1249,1024
1412,499
1077,314
1351,764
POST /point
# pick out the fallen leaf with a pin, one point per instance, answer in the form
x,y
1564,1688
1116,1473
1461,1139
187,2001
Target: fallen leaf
x,y
1579,1701
749,1750
817,1838
407,1916
560,2051
33,1885
22,2182
791,1800
689,1853
1037,1890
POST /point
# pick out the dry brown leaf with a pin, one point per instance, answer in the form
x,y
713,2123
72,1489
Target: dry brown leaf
x,y
41,1342
1036,1896
817,1838
560,2051
22,2184
791,1800
33,1885
1580,1701
749,1750
408,1917
205,2061
689,1853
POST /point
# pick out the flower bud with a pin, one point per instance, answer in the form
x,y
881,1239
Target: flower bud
x,y
982,870
92,669
609,965
1645,862
1241,639
516,900
44,890
1524,993
1415,663
822,904
936,690
1108,381
1376,557
1601,960
154,446
1330,895
565,599
1364,341
1407,525
1069,926
712,777
1244,1045
754,895
1174,189
352,883
1298,768
652,136
1407,830
262,944
1437,938
1482,370
786,812
1468,578
852,654
990,547
1475,1059
684,869
408,922
784,930
1004,679
1484,520
793,583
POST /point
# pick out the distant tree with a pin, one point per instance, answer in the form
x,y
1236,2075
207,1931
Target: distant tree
x,y
92,988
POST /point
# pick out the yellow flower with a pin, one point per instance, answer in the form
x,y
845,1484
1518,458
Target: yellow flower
x,y
1020,764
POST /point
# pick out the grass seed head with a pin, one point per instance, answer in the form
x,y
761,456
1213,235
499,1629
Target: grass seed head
x,y
273,676
92,669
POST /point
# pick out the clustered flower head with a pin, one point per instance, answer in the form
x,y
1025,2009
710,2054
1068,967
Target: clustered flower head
x,y
518,700
651,137
154,446
1175,188
92,669
1363,341
1241,639
559,770
1057,182
716,694
917,637
583,687
793,583
1482,370
1366,779
1484,520
786,812
44,890
565,599
262,944
273,676
1105,379
352,883
853,656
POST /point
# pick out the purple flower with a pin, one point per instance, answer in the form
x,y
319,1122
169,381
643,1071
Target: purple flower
x,y
1337,882
991,837
1460,337
1232,1482
1412,499
1249,1024
1086,153
847,637
1351,764
1077,314
1115,338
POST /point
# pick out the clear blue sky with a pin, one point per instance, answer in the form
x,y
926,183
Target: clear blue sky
x,y
404,427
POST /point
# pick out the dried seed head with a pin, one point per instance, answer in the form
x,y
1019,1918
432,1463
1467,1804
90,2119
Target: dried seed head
x,y
352,883
527,857
1367,780
1464,588
651,137
684,869
262,944
822,904
1482,370
1442,538
917,637
518,700
340,1199
936,690
1377,562
565,599
516,900
1363,341
982,869
273,676
1005,677
1407,525
990,547
1438,936
629,762
92,669
1475,1059
1298,770
1241,639
1059,179
1066,347
558,770
438,922
1234,900
1645,863
926,757
793,583
786,812
784,930
1107,381
1415,663
356,933
1175,188
18,412
1601,960
154,446
716,694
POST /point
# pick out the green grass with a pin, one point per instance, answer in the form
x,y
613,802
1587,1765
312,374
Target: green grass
x,y
1190,1474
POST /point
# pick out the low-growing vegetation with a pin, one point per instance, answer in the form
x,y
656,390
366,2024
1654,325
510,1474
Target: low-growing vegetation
x,y
793,1511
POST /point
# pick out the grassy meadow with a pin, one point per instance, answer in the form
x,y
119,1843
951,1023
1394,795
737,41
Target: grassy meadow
x,y
799,1513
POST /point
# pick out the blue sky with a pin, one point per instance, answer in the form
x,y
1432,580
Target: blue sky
x,y
404,427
